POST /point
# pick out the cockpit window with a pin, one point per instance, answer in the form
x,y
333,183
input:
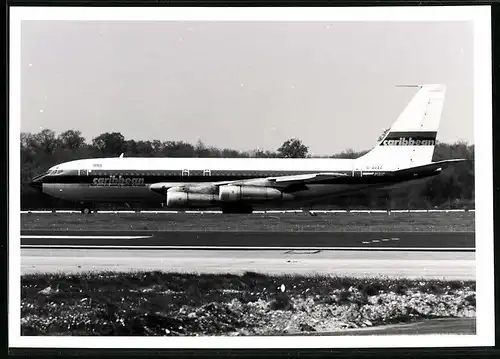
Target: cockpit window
x,y
53,172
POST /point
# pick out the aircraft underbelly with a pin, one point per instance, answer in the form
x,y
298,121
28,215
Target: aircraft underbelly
x,y
320,190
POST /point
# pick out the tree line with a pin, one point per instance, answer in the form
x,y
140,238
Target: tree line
x,y
454,188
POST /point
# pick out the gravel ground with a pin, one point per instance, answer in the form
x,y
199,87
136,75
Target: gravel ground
x,y
174,304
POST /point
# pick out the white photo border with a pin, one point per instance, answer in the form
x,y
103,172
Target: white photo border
x,y
479,15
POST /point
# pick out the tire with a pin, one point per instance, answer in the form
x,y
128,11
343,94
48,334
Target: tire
x,y
86,210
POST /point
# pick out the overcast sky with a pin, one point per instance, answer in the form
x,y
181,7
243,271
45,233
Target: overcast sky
x,y
242,85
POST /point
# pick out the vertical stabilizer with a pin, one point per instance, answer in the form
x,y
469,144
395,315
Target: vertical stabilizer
x,y
411,139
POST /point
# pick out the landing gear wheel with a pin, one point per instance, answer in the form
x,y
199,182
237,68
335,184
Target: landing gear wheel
x,y
86,210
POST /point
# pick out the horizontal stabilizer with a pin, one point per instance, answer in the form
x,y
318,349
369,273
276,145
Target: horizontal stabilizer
x,y
429,167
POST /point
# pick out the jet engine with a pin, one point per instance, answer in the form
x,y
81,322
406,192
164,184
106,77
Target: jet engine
x,y
231,193
186,199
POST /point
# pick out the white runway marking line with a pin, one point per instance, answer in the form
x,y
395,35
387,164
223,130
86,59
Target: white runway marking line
x,y
81,237
244,248
379,240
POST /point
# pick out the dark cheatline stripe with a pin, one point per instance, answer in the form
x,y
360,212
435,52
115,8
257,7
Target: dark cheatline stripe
x,y
423,135
149,177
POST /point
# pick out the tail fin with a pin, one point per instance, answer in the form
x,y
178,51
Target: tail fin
x,y
411,139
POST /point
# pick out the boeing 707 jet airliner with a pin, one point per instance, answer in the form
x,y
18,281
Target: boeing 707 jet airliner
x,y
237,185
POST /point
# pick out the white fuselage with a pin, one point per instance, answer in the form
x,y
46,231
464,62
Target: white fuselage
x,y
130,179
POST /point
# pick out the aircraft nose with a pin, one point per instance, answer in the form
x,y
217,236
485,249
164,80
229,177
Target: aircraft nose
x,y
37,183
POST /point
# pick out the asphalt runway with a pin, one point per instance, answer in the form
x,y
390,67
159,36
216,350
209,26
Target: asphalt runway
x,y
460,326
401,264
219,240
427,255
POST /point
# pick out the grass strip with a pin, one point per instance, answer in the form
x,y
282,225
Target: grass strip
x,y
435,222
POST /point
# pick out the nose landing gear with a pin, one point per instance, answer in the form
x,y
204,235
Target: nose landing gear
x,y
87,208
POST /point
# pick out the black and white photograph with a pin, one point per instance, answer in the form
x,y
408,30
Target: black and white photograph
x,y
250,177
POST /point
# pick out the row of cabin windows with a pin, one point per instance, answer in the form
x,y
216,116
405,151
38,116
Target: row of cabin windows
x,y
184,173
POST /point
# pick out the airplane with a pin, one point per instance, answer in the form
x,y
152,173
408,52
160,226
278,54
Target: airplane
x,y
238,185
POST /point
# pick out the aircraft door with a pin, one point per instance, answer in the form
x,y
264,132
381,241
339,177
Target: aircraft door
x,y
356,172
83,172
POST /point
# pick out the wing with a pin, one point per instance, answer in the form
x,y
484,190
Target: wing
x,y
284,181
275,182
